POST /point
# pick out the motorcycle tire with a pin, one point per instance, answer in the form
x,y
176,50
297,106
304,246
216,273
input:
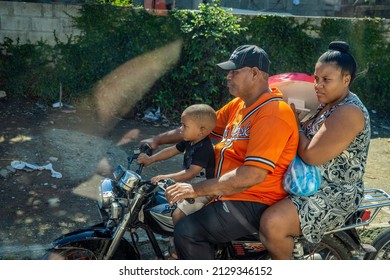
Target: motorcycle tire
x,y
330,248
382,245
71,253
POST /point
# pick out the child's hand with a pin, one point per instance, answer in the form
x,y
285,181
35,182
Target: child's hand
x,y
144,159
158,178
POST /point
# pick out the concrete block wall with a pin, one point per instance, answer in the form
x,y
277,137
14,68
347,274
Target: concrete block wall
x,y
35,21
294,7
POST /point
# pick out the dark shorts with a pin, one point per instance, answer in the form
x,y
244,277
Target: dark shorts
x,y
195,236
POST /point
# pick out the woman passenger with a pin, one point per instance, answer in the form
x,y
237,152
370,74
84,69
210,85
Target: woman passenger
x,y
336,139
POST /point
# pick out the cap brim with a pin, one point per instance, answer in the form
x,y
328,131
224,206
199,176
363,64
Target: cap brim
x,y
228,65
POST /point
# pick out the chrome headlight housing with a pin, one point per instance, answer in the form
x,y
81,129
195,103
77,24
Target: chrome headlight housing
x,y
129,180
105,193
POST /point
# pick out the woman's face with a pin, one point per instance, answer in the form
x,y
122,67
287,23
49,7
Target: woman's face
x,y
331,86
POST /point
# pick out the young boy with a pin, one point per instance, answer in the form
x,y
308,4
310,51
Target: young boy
x,y
197,121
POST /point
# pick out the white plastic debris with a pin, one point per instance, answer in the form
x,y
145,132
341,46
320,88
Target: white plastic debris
x,y
152,115
31,166
2,94
57,105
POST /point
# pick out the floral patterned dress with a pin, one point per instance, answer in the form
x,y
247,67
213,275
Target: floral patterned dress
x,y
342,187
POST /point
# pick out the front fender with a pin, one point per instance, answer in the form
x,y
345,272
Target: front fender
x,y
96,232
95,239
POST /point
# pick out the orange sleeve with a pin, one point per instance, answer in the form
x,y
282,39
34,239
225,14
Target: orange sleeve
x,y
223,118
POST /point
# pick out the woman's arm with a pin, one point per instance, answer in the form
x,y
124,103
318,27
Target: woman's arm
x,y
334,136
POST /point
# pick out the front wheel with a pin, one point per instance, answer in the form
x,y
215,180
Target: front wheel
x,y
382,246
91,250
72,253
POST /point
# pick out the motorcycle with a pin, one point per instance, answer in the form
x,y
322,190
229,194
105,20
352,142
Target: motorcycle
x,y
130,204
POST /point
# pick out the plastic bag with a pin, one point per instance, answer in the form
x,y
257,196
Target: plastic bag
x,y
301,179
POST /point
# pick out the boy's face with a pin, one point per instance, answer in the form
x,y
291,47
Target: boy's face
x,y
190,130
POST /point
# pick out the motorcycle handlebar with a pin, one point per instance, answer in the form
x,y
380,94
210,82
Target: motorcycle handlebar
x,y
146,149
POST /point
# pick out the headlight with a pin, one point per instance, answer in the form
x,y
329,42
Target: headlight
x,y
129,180
105,193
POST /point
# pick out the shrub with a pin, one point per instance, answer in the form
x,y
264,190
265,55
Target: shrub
x,y
112,35
209,36
29,70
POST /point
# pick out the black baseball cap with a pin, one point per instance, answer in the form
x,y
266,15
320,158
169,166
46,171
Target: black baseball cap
x,y
247,56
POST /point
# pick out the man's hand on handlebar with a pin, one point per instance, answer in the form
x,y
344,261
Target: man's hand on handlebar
x,y
180,191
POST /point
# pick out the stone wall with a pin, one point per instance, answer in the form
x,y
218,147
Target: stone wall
x,y
35,21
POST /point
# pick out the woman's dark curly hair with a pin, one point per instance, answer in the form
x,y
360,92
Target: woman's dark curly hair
x,y
338,53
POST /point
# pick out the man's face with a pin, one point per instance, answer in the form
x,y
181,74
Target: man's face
x,y
239,80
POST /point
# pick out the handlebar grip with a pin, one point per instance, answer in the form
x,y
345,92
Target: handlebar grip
x,y
146,148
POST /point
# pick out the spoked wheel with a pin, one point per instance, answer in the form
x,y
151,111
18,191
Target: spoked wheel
x,y
382,246
70,254
328,249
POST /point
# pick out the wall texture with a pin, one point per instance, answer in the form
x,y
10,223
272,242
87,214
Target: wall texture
x,y
35,21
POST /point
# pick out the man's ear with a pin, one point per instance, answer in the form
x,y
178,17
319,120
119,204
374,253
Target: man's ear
x,y
256,73
259,74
